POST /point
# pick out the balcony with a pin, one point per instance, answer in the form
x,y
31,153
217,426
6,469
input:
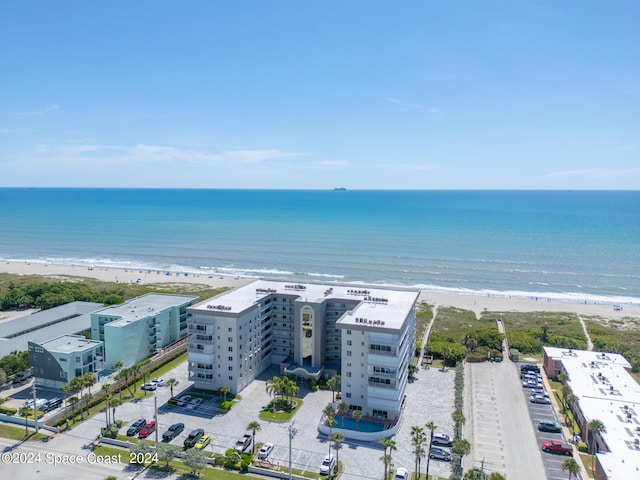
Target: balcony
x,y
205,350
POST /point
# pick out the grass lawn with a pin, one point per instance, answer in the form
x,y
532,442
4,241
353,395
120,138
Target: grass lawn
x,y
17,433
586,461
279,416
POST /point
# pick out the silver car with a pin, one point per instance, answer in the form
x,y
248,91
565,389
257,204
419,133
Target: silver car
x,y
439,454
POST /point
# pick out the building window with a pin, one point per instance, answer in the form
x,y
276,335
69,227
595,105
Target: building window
x,y
348,332
230,339
231,349
349,374
230,368
230,377
231,359
348,343
231,329
348,353
348,394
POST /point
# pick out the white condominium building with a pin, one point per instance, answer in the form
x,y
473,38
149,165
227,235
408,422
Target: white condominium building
x,y
367,334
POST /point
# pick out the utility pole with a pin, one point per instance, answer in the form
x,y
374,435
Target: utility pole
x,y
155,417
292,433
35,406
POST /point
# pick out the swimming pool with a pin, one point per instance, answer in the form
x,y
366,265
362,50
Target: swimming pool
x,y
363,425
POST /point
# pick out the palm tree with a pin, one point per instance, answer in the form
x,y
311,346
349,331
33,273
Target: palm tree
x,y
26,412
595,427
273,386
135,370
127,372
118,366
107,401
65,390
343,409
392,447
458,417
334,383
254,427
417,439
292,389
224,390
357,416
113,403
86,398
386,458
89,379
571,466
431,426
172,382
73,401
337,438
446,353
330,422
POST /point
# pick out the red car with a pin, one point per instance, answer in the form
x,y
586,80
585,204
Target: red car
x,y
556,446
147,430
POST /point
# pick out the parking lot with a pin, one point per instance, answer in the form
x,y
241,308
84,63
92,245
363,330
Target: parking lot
x,y
429,398
552,463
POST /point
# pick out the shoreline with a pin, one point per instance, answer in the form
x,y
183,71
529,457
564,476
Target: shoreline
x,y
473,301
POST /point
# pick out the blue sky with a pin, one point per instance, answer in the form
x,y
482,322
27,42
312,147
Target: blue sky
x,y
301,94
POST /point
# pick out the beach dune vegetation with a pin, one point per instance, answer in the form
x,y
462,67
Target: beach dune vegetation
x,y
529,331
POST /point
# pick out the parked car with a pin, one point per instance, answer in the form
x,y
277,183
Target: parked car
x,y
442,439
401,474
158,381
147,430
530,367
202,442
149,386
439,454
532,384
52,404
173,431
548,426
183,400
243,443
328,465
193,437
265,450
193,404
556,446
539,399
540,391
136,427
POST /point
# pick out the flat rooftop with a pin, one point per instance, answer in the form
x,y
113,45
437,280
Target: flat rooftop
x,y
144,306
69,344
371,305
607,392
72,317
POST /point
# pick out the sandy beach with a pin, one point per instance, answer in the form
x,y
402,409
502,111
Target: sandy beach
x,y
476,303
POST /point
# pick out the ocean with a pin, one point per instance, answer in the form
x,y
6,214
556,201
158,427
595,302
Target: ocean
x,y
564,245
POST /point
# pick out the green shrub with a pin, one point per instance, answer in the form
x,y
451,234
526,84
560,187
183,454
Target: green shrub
x,y
476,357
8,410
226,405
583,447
